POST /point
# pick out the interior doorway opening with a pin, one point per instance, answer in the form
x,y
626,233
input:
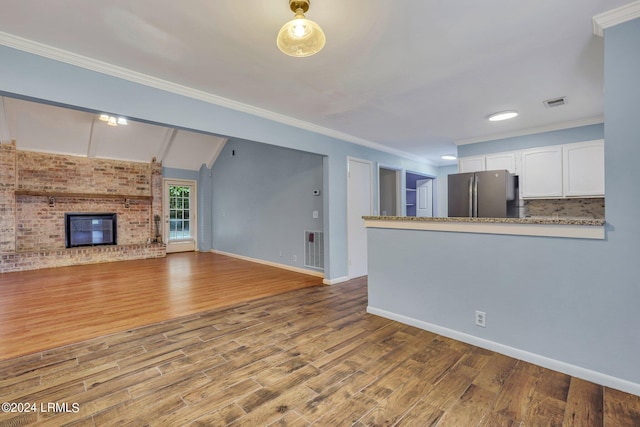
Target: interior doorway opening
x,y
420,195
389,201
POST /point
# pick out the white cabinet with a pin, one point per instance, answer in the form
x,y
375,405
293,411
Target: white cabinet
x,y
501,161
489,162
542,172
471,164
569,170
583,168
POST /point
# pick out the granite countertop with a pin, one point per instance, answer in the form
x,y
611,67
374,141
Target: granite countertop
x,y
533,220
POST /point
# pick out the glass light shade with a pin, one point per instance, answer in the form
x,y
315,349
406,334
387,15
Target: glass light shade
x,y
112,121
300,37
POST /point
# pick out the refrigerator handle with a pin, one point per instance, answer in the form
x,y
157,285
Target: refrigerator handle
x,y
471,196
475,196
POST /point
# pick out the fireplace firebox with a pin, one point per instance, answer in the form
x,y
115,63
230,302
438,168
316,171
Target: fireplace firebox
x,y
90,229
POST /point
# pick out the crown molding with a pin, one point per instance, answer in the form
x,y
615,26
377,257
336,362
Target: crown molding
x,y
88,63
614,17
531,131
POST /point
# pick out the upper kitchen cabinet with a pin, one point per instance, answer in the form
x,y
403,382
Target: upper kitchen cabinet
x,y
542,173
501,161
471,164
489,162
569,170
583,168
557,171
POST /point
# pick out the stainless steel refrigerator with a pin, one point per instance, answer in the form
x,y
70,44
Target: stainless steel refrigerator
x,y
487,194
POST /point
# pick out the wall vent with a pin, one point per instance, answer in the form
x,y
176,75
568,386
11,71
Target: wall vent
x,y
555,102
314,249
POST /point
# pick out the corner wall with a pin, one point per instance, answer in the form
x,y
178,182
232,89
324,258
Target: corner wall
x,y
262,201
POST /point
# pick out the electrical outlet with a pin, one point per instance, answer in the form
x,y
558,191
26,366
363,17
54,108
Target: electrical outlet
x,y
280,253
481,319
294,258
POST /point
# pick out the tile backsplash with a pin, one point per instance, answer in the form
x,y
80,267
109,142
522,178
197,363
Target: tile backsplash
x,y
565,208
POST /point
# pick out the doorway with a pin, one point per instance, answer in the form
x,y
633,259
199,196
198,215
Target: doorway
x,y
179,211
359,204
419,194
389,203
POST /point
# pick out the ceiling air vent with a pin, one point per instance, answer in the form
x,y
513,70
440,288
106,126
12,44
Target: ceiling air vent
x,y
555,102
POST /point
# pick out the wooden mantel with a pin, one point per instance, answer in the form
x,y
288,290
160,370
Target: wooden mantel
x,y
81,195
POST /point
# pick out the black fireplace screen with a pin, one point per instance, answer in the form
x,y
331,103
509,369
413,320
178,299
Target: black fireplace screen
x,y
90,229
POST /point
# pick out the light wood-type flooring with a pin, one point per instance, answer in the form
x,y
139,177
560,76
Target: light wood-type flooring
x,y
308,356
41,309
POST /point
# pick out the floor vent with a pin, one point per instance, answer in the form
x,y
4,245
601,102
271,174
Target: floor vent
x,y
314,249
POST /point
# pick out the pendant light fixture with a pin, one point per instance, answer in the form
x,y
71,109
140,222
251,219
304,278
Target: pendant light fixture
x,y
301,36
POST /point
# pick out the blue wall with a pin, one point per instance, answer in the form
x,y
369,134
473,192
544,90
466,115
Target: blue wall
x,y
179,174
569,300
27,75
557,137
263,201
443,189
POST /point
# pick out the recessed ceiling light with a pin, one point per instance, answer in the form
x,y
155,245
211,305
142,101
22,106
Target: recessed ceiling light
x,y
113,121
448,157
503,115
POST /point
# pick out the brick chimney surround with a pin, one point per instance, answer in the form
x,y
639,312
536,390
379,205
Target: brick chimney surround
x,y
37,189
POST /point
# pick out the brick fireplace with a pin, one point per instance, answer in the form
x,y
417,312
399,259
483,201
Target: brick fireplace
x,y
38,189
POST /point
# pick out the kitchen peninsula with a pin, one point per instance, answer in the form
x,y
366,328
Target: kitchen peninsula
x,y
580,228
523,275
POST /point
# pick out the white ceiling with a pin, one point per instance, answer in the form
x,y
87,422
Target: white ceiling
x,y
414,76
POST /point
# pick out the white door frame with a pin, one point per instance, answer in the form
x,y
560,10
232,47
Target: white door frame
x,y
180,246
355,225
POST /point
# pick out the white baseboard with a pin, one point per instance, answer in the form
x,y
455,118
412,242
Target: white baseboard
x,y
546,362
335,281
271,264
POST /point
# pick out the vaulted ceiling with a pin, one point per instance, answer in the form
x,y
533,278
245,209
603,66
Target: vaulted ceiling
x,y
417,77
42,127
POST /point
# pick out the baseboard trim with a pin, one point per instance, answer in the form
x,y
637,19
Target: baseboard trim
x,y
545,362
271,264
335,281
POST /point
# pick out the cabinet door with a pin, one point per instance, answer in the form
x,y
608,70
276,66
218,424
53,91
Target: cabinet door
x,y
471,164
542,172
584,168
501,161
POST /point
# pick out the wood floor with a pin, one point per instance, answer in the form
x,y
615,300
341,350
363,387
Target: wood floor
x,y
310,356
42,309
